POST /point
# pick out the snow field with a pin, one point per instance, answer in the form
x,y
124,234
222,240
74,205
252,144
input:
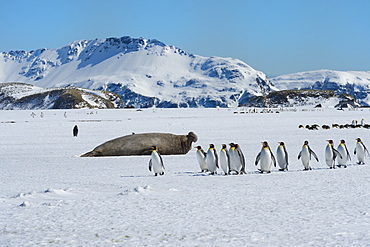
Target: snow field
x,y
50,196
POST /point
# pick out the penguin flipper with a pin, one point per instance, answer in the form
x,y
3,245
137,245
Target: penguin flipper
x,y
354,151
228,159
349,156
286,156
150,165
313,153
273,157
299,155
160,156
336,153
216,156
258,158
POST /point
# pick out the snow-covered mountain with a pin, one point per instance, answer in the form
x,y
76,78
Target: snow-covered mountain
x,y
355,83
144,72
25,96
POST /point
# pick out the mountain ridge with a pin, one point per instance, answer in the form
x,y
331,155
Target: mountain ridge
x,y
165,75
355,83
147,72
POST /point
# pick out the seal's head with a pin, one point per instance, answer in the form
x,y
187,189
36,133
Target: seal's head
x,y
192,137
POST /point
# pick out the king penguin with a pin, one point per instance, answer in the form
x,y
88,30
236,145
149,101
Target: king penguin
x,y
156,162
330,154
225,159
241,158
201,157
235,164
266,158
282,157
212,159
360,151
305,156
342,149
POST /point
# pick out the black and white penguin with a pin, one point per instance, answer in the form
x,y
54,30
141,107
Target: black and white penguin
x,y
75,131
330,154
201,157
241,158
342,149
266,158
282,157
225,159
305,156
360,151
212,159
235,164
156,162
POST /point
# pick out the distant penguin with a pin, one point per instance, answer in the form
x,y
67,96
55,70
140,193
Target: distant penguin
x,y
235,164
75,131
212,159
241,158
360,151
282,157
156,162
330,154
266,158
224,159
305,155
201,157
342,149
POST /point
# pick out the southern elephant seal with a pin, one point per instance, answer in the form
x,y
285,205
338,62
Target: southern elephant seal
x,y
141,144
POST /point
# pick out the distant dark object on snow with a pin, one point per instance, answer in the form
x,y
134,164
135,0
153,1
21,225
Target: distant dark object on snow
x,y
75,131
141,144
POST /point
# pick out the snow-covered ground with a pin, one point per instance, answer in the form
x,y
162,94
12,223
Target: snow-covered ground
x,y
51,196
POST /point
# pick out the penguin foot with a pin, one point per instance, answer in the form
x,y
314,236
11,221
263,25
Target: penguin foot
x,y
282,169
345,166
155,174
161,173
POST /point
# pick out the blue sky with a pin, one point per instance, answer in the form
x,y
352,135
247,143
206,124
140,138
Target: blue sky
x,y
276,37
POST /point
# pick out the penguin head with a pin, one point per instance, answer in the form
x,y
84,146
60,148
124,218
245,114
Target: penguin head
x,y
211,146
265,144
237,146
342,141
281,143
330,141
154,148
223,146
305,143
358,139
232,144
198,147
